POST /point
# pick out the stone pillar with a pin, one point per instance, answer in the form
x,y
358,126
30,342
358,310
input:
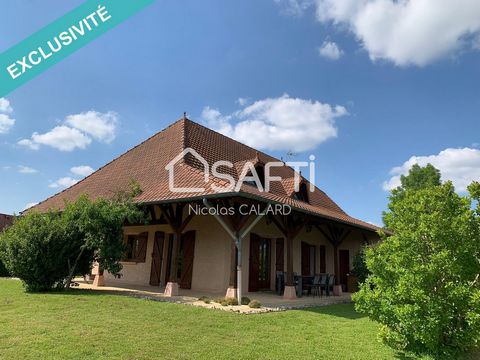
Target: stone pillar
x,y
171,289
99,279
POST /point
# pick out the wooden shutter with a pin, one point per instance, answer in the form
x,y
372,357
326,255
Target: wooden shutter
x,y
157,254
188,240
323,265
141,254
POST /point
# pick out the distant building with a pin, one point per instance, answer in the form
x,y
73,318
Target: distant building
x,y
5,220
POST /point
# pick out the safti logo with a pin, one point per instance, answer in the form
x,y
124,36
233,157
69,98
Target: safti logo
x,y
249,174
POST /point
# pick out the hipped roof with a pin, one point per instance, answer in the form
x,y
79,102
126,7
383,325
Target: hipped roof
x,y
146,162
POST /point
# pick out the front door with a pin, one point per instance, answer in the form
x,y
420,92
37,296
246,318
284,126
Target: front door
x,y
157,258
259,269
185,266
344,265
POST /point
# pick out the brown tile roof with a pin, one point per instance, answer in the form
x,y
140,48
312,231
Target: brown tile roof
x,y
146,163
5,220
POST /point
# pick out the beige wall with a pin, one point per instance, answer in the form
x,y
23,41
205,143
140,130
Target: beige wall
x,y
211,266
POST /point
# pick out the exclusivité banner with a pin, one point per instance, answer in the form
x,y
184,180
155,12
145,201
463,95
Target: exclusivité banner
x,y
61,38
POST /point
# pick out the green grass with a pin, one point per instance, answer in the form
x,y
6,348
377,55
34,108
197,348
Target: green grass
x,y
86,324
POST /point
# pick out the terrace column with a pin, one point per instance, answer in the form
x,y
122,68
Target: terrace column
x,y
289,292
290,226
335,236
176,220
232,284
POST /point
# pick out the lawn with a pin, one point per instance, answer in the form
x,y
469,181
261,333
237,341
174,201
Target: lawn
x,y
86,324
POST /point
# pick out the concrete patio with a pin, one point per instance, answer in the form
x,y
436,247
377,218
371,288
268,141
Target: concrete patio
x,y
270,301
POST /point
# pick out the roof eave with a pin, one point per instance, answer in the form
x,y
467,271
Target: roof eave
x,y
258,198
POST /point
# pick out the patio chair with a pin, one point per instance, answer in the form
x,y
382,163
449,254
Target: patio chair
x,y
331,283
322,284
312,287
298,283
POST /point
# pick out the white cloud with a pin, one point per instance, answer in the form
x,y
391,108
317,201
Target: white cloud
x,y
5,106
405,32
26,170
63,182
83,170
101,127
29,205
330,50
60,137
461,166
282,123
76,132
6,123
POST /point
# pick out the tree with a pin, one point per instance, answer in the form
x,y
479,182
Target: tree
x,y
47,250
424,283
97,227
420,177
360,269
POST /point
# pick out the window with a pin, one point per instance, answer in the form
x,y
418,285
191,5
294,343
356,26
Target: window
x,y
302,193
261,176
136,247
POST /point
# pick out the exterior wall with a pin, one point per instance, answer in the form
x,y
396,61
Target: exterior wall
x,y
211,265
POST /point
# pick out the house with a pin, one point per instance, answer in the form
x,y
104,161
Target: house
x,y
5,220
197,238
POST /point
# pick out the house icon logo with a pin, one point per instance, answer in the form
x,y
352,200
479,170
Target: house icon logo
x,y
171,171
249,174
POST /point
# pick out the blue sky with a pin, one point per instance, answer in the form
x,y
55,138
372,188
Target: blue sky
x,y
375,100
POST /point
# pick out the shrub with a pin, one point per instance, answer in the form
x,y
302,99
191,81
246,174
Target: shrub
x,y
205,299
245,300
36,249
231,301
254,304
46,250
424,286
227,301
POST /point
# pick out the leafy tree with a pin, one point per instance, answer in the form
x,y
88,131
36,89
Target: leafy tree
x,y
420,177
97,227
47,250
360,269
424,283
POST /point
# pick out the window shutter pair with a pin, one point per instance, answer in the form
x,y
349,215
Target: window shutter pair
x,y
141,249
